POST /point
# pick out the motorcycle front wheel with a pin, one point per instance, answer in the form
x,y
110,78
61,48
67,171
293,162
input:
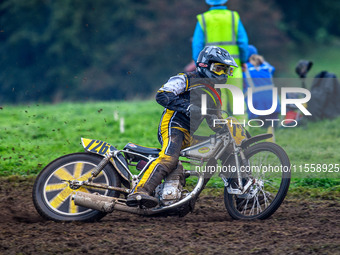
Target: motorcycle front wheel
x,y
269,169
52,191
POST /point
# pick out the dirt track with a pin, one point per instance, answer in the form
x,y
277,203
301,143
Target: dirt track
x,y
298,227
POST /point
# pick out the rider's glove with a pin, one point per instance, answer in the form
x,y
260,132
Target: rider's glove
x,y
215,125
193,110
221,129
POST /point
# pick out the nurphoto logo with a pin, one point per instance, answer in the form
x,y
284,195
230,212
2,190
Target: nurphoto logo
x,y
239,109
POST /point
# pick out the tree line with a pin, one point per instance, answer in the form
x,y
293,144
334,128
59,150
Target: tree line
x,y
125,49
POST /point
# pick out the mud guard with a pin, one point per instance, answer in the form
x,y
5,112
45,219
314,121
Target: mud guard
x,y
246,143
102,148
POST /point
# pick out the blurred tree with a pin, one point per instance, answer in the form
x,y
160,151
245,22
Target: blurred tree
x,y
306,20
72,49
261,19
123,49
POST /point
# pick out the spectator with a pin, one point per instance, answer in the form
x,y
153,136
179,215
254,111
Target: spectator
x,y
258,75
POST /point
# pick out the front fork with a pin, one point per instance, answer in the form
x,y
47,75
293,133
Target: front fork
x,y
244,162
242,187
95,172
106,159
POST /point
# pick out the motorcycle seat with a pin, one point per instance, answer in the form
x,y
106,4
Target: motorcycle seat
x,y
147,151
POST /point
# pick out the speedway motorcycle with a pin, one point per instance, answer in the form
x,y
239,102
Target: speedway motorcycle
x,y
86,186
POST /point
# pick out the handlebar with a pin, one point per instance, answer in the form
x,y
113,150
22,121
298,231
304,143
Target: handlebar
x,y
220,110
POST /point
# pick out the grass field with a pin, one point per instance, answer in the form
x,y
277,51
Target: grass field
x,y
324,58
33,135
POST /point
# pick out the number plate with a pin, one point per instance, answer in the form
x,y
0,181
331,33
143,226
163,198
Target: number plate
x,y
236,130
97,146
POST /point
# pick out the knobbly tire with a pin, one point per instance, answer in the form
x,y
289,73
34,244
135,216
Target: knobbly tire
x,y
261,200
52,194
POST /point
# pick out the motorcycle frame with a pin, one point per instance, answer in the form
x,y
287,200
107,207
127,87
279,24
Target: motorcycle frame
x,y
113,155
108,204
226,141
135,178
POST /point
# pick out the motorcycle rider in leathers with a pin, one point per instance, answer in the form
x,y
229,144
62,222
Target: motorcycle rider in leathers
x,y
181,97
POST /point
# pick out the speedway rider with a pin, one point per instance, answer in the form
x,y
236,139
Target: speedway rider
x,y
181,97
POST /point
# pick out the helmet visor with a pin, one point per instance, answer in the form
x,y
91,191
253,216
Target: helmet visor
x,y
219,69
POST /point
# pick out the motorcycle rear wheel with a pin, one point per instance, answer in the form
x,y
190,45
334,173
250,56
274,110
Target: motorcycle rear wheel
x,y
270,168
52,193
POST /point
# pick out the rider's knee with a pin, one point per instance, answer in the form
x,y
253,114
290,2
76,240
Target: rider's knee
x,y
169,162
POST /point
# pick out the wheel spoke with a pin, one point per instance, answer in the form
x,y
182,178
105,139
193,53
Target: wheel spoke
x,y
73,207
61,201
61,197
78,168
63,174
270,186
54,187
258,204
245,207
264,198
252,209
87,175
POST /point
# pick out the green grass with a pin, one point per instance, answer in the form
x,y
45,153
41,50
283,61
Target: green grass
x,y
324,58
33,135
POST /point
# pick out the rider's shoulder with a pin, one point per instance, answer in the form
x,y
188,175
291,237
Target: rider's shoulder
x,y
176,84
179,80
181,77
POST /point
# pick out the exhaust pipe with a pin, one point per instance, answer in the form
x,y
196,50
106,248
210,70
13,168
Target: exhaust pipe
x,y
104,203
94,201
108,204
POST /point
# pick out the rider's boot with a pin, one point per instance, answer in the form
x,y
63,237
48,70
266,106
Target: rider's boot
x,y
159,168
141,198
142,195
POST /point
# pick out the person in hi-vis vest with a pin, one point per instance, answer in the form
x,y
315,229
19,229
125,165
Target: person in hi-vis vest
x,y
223,28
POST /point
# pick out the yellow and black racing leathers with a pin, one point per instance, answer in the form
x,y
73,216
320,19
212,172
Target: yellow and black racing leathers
x,y
180,95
